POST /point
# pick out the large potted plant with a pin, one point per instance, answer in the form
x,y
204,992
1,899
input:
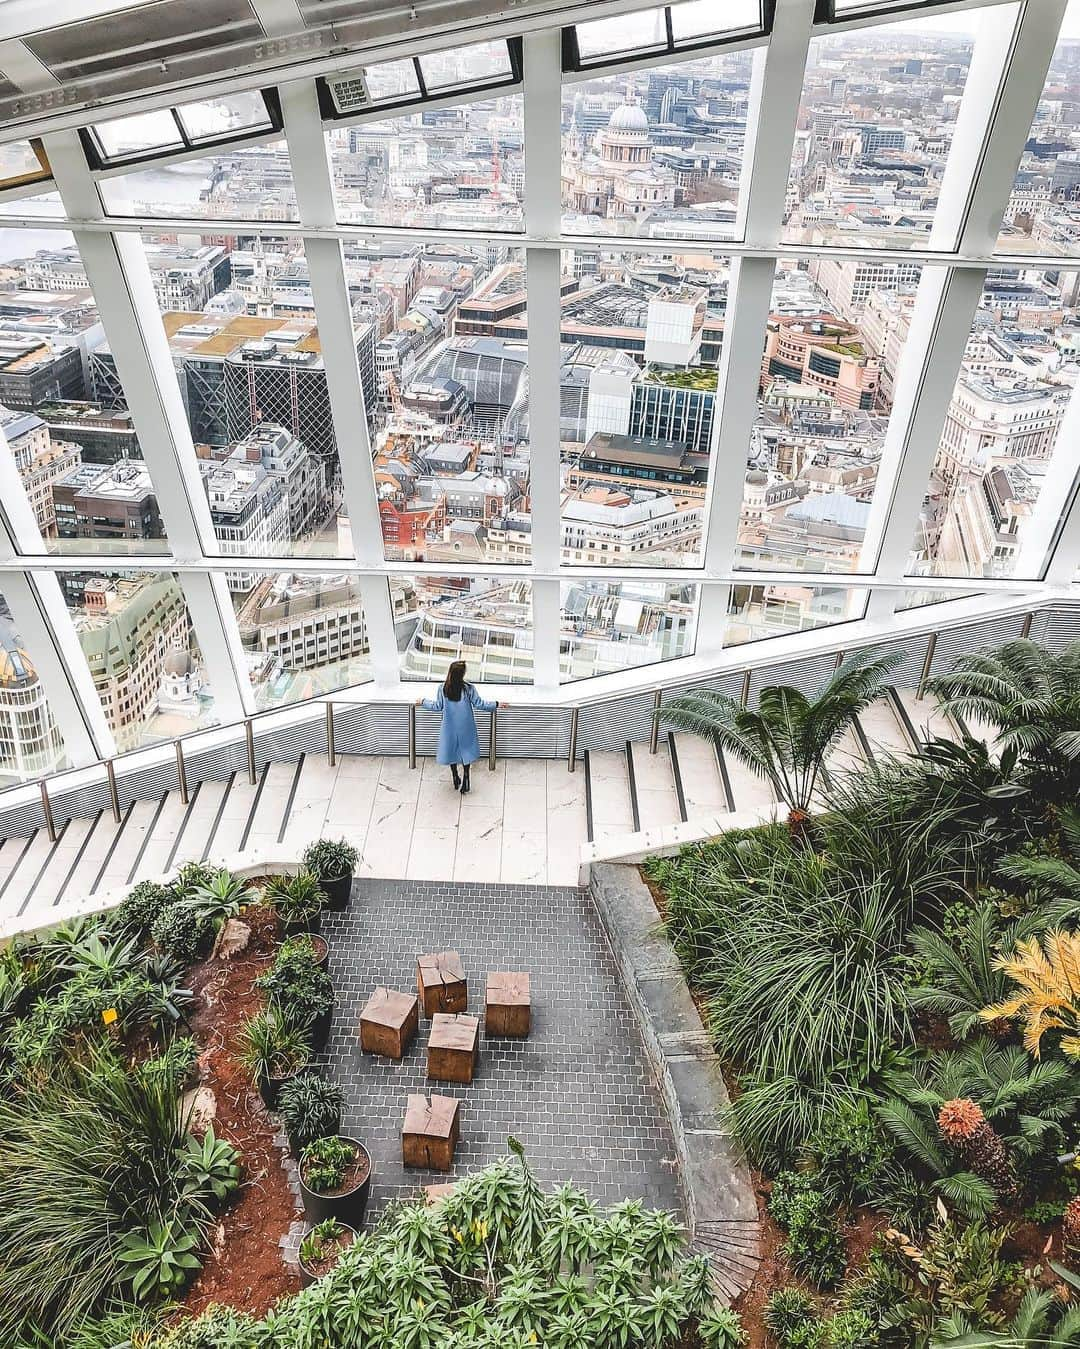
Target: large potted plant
x,y
310,1107
296,986
322,1248
274,1046
335,1178
298,901
332,862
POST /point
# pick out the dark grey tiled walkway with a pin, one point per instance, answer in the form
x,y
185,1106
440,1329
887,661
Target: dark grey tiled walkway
x,y
577,1092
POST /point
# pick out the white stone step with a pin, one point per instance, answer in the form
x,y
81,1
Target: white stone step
x,y
611,811
198,832
658,803
749,791
703,788
928,718
883,730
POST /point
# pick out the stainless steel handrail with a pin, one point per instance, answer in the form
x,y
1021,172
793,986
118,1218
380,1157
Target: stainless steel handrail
x,y
331,746
181,773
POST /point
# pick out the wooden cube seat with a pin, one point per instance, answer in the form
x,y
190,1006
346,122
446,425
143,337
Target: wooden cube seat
x,y
453,1047
508,1006
430,1132
440,983
388,1022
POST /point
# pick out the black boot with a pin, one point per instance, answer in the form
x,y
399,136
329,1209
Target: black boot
x,y
454,775
465,780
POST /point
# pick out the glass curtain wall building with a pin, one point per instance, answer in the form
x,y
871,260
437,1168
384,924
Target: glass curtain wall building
x,y
587,353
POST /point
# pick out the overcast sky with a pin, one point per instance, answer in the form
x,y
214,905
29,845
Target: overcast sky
x,y
969,23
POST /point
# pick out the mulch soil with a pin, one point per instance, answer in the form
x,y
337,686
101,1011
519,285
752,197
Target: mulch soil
x,y
244,1268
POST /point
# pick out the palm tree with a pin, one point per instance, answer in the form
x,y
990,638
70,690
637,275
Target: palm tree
x,y
786,737
1032,696
1033,1327
1048,998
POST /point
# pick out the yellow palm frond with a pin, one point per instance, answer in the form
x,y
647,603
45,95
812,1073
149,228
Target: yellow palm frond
x,y
1048,976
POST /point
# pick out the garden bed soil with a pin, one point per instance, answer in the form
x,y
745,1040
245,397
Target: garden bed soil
x,y
244,1269
332,1252
356,1173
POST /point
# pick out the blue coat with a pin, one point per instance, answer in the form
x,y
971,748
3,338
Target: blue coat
x,y
457,735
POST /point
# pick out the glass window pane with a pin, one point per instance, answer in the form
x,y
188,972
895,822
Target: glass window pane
x,y
832,347
146,131
252,182
392,79
638,395
878,113
657,151
138,640
72,437
256,394
486,623
1001,429
622,35
607,626
448,168
43,205
1043,213
20,162
757,611
30,741
304,636
475,64
920,599
229,115
697,19
452,439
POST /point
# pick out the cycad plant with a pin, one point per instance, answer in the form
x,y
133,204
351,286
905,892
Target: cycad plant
x,y
1048,997
786,738
1032,696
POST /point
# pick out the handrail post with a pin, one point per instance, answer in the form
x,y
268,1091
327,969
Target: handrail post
x,y
1025,627
249,735
654,733
571,756
838,661
181,771
412,735
331,747
46,806
931,647
493,739
744,696
114,794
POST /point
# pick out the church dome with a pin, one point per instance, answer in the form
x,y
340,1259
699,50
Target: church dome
x,y
177,663
757,478
629,117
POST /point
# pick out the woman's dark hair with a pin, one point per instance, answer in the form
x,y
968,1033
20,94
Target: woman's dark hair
x,y
455,681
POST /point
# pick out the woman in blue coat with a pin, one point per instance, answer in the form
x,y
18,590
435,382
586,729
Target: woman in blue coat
x,y
457,735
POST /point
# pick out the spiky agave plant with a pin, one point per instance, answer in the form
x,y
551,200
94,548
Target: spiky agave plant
x,y
787,737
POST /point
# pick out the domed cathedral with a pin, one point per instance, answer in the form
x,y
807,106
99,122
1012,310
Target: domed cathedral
x,y
616,178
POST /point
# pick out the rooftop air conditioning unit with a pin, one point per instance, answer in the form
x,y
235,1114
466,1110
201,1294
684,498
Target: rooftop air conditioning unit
x,y
349,92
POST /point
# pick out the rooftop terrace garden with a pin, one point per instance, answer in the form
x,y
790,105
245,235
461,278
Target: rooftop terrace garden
x,y
892,977
684,379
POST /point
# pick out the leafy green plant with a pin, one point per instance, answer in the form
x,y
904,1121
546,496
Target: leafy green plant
x,y
328,859
848,1152
721,1328
160,1259
137,911
181,932
211,1166
273,1045
788,736
310,1108
297,899
297,987
792,1318
221,897
324,1164
814,1246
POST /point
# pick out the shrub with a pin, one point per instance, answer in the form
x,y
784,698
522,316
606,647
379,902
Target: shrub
x,y
297,899
273,1045
793,1319
849,1329
298,988
221,897
136,913
328,858
721,1329
849,1151
310,1107
181,932
814,1246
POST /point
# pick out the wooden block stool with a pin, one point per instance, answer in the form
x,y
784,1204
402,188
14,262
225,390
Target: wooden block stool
x,y
440,982
388,1022
452,1048
430,1132
508,1009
